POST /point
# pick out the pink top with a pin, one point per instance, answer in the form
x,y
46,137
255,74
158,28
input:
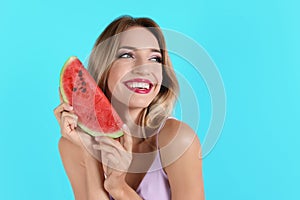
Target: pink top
x,y
155,184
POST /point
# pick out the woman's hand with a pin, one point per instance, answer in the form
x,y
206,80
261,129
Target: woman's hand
x,y
80,160
67,121
68,127
69,130
116,159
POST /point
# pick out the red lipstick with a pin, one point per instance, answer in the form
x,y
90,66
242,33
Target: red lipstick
x,y
139,85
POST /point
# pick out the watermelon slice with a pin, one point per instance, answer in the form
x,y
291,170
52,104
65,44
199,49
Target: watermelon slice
x,y
96,116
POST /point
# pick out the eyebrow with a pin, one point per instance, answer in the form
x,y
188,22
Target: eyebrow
x,y
134,48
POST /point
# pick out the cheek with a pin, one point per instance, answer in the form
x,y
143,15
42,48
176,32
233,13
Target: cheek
x,y
157,72
116,73
159,78
111,82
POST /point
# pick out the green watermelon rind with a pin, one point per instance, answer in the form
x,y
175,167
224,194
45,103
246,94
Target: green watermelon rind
x,y
116,134
63,94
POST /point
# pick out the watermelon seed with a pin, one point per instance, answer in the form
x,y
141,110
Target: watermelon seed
x,y
80,73
83,90
74,89
83,83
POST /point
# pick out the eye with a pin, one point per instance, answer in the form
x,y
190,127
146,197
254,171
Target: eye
x,y
156,59
126,55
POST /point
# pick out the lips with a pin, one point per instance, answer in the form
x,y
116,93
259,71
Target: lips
x,y
138,85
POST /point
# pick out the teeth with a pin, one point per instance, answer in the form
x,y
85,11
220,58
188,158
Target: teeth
x,y
139,85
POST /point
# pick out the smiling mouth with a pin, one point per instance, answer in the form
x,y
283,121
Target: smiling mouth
x,y
140,86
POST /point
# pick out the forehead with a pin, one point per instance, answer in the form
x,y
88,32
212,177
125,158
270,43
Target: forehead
x,y
138,37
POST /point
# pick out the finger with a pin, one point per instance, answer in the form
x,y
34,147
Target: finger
x,y
109,141
108,154
60,96
127,138
122,158
121,141
66,107
106,148
107,151
59,109
125,130
62,107
112,159
68,122
70,115
114,162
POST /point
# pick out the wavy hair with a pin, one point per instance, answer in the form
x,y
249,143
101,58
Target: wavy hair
x,y
103,55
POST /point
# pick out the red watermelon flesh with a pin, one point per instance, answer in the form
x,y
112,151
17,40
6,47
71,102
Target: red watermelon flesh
x,y
96,116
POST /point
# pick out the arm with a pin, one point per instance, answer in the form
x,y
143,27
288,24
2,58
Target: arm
x,y
122,191
84,171
181,156
116,158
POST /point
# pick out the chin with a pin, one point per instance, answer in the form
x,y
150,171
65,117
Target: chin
x,y
134,101
138,104
131,102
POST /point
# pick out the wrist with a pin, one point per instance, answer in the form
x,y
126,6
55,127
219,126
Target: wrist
x,y
117,189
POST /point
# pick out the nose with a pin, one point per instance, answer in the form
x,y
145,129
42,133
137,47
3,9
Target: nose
x,y
141,66
141,69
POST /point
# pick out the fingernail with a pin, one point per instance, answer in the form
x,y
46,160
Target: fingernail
x,y
71,107
125,128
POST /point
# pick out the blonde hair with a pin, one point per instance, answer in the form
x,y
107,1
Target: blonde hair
x,y
104,53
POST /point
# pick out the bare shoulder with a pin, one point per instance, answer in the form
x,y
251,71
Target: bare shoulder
x,y
176,139
173,129
180,154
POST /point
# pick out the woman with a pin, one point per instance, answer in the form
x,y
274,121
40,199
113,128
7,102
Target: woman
x,y
158,157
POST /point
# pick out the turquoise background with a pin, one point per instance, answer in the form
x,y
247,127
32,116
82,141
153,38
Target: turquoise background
x,y
255,45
